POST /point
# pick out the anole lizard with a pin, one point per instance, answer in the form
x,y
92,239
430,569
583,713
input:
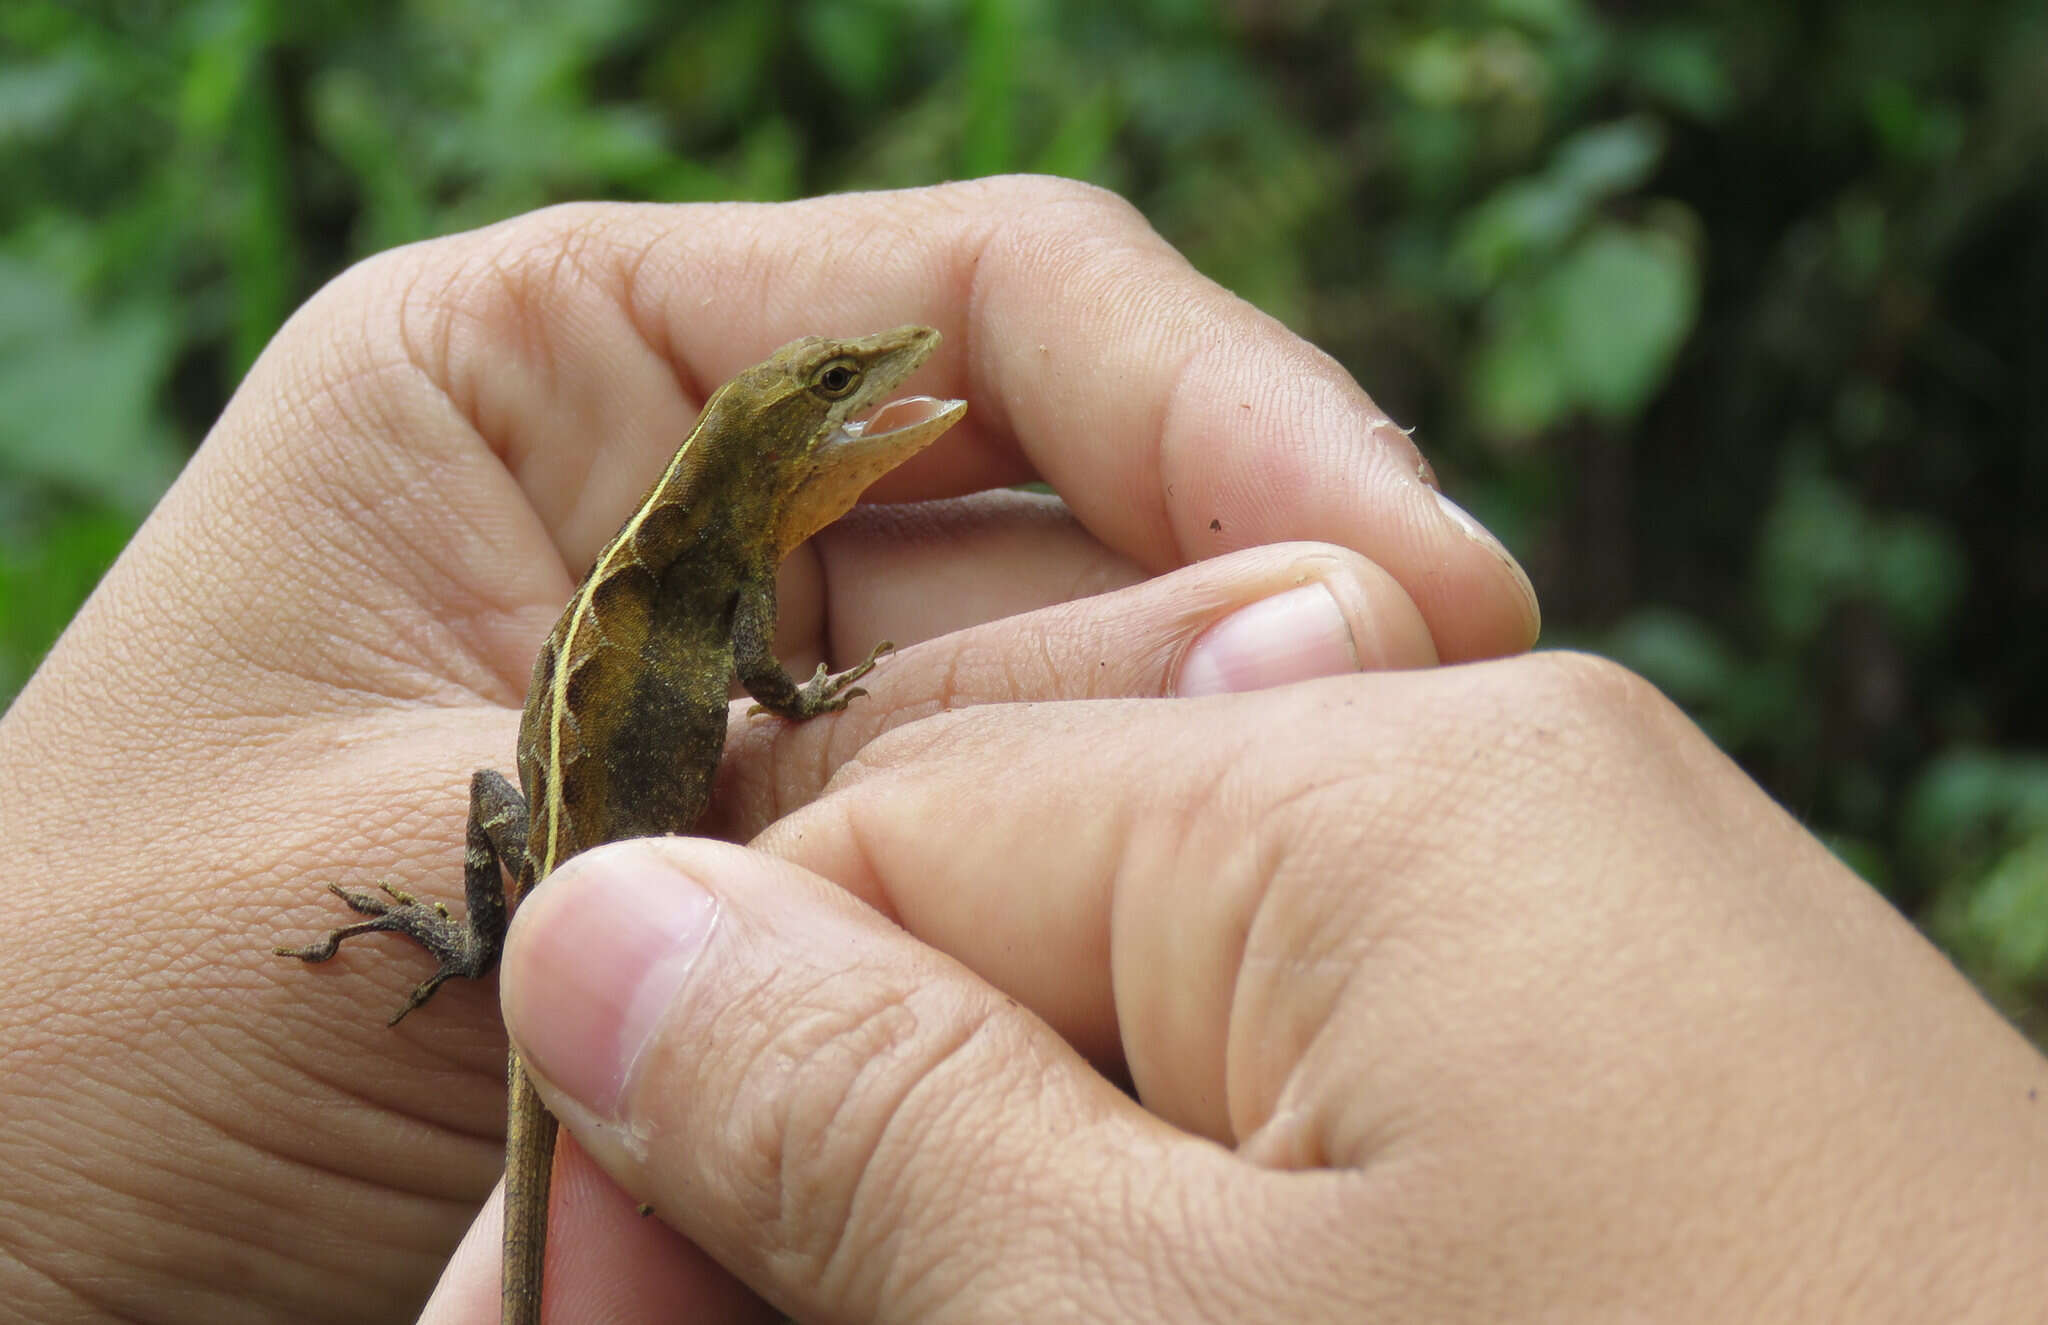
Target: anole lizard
x,y
626,712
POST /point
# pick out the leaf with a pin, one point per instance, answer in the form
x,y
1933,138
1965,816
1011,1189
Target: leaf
x,y
1608,160
1516,386
1528,219
80,388
1081,140
1679,652
1966,803
1919,572
1810,554
2001,924
858,44
35,99
1625,300
43,580
1597,332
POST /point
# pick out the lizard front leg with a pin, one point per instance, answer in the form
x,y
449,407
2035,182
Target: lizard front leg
x,y
762,673
466,948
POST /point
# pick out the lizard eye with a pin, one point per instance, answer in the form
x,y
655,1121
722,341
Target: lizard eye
x,y
837,379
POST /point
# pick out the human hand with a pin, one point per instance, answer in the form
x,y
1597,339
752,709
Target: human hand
x,y
1485,993
329,621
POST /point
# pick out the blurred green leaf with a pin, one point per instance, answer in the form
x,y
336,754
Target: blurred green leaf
x,y
1820,549
1532,218
1679,652
1811,554
1608,159
1681,68
1919,572
44,579
1625,301
1082,136
989,131
1596,332
1998,923
36,99
1968,805
79,386
855,42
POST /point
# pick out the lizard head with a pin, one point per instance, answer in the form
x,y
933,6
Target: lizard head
x,y
821,426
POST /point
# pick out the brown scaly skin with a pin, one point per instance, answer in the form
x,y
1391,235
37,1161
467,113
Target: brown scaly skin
x,y
625,716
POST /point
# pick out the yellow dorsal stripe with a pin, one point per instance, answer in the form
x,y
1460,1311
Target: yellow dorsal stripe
x,y
558,695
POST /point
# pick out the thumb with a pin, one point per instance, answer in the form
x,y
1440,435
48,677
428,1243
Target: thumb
x,y
849,1120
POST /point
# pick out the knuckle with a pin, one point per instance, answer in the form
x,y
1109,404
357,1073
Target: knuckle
x,y
1589,691
505,280
1013,195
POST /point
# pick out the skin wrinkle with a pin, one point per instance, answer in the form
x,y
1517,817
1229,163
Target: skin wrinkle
x,y
815,1051
462,643
651,316
83,1306
1012,1078
1176,1253
886,1213
986,410
368,517
1064,1238
854,254
503,309
1198,796
1112,263
948,689
1370,842
414,644
866,874
605,262
487,290
516,299
190,1095
1273,839
131,1182
452,1189
570,254
425,323
991,247
1166,431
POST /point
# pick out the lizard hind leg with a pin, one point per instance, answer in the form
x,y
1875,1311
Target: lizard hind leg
x,y
466,948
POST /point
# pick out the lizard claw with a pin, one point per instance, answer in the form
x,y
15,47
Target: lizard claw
x,y
826,692
459,951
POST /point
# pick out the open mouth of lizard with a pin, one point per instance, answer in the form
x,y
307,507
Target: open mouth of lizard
x,y
898,416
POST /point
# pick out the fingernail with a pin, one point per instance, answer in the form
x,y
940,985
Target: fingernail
x,y
606,946
1481,535
1292,636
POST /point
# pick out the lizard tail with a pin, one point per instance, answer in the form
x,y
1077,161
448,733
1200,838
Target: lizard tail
x,y
529,1164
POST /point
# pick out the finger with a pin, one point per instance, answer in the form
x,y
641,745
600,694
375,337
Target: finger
x,y
853,1123
1224,897
1266,616
1177,420
1174,417
1515,930
606,1261
914,571
490,405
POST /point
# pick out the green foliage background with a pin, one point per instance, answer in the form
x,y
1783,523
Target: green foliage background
x,y
1731,316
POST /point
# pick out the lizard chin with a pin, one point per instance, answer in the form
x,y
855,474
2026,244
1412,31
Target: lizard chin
x,y
854,455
